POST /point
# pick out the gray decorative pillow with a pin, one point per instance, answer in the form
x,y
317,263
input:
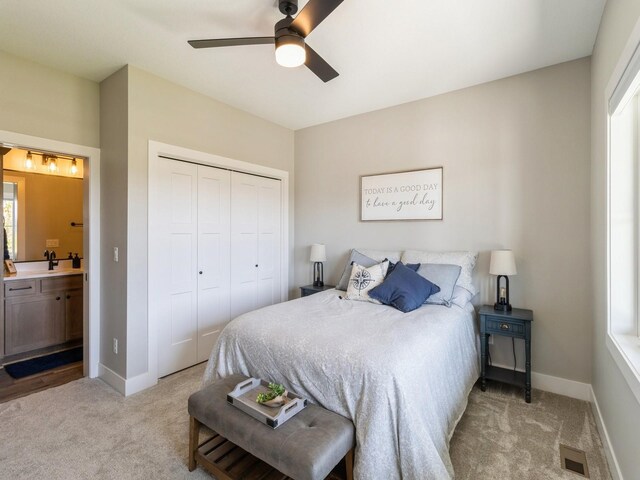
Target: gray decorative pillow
x,y
443,275
358,258
467,260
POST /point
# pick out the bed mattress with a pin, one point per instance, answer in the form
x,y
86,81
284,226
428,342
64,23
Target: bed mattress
x,y
403,379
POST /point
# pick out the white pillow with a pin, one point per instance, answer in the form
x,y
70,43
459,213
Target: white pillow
x,y
364,279
461,296
466,260
379,255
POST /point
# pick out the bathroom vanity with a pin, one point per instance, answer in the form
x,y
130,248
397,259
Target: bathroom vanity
x,y
42,308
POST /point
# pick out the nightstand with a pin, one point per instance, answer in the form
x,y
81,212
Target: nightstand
x,y
310,289
515,324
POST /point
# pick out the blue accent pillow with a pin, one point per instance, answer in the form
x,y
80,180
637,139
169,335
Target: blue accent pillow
x,y
412,266
404,289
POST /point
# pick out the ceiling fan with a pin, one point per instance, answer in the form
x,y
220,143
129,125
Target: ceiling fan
x,y
289,37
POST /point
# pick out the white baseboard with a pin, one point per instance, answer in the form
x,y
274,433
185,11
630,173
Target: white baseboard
x,y
139,383
614,467
112,378
127,386
561,386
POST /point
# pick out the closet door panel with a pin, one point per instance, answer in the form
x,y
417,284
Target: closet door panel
x,y
244,242
269,242
213,256
182,314
173,222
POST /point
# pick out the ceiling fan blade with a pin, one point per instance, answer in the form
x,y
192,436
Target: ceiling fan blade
x,y
231,42
317,65
312,15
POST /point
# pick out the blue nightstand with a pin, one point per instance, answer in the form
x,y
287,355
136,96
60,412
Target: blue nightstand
x,y
311,289
515,324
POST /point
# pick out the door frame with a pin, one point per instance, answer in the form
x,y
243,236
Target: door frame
x,y
91,237
158,149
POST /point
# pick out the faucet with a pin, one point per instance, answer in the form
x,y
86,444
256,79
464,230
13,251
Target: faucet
x,y
51,256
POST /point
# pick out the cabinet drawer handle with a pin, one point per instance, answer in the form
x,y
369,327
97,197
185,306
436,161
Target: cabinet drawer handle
x,y
20,288
57,298
504,326
68,297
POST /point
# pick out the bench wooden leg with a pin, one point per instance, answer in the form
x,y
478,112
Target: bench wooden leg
x,y
194,438
348,459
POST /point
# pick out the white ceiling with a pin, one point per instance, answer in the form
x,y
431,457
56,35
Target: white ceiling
x,y
386,51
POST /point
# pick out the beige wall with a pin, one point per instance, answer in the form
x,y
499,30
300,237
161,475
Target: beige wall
x,y
515,154
114,125
165,112
44,102
619,407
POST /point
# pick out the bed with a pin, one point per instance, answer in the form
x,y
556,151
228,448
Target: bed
x,y
402,378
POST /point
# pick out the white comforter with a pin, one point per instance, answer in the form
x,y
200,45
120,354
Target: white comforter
x,y
402,378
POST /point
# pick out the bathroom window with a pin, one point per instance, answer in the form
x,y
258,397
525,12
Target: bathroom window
x,y
10,215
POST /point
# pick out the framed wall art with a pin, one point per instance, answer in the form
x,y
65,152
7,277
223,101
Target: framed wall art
x,y
414,195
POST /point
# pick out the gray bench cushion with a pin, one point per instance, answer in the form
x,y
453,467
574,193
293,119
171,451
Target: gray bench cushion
x,y
307,447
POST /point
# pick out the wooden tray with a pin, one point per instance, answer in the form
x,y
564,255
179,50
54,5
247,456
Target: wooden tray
x,y
243,396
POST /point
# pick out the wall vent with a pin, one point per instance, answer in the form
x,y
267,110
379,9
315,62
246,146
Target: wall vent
x,y
574,460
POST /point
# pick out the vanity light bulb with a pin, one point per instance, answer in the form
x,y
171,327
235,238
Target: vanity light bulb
x,y
52,166
28,162
74,167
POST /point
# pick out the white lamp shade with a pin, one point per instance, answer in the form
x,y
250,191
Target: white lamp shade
x,y
502,263
318,253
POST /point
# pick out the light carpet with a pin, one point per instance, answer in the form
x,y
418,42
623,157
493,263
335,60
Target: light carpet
x,y
85,429
502,437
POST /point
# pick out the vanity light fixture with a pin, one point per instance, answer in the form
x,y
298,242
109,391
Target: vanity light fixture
x,y
74,167
53,166
28,162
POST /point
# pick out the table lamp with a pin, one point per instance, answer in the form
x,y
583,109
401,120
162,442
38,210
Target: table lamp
x,y
502,264
318,255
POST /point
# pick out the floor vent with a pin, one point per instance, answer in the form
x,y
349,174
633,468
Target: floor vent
x,y
574,460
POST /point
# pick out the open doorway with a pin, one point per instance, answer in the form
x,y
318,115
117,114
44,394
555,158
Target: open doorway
x,y
42,202
49,324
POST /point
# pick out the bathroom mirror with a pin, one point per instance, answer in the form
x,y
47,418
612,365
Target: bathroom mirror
x,y
42,205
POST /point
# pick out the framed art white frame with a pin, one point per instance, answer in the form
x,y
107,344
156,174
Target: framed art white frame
x,y
411,195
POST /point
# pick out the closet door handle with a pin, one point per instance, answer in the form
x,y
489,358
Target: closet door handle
x,y
200,272
256,265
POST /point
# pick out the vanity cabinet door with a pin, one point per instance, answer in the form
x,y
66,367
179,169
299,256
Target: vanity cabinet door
x,y
34,321
74,316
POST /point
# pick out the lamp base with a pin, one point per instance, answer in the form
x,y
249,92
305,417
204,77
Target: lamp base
x,y
502,307
318,274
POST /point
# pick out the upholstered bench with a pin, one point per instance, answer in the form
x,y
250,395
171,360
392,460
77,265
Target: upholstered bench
x,y
306,447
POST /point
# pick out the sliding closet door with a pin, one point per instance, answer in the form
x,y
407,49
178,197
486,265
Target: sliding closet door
x,y
175,289
269,248
213,256
244,241
255,242
214,253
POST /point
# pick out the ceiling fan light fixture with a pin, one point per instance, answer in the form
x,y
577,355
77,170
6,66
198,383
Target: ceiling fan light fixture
x,y
290,51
